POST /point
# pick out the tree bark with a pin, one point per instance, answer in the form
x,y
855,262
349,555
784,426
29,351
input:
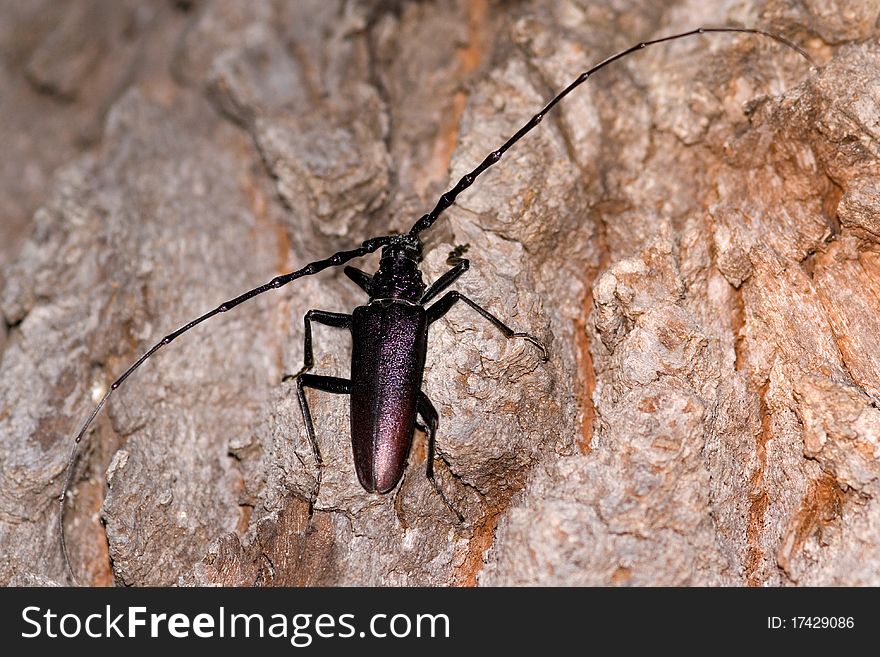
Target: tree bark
x,y
693,234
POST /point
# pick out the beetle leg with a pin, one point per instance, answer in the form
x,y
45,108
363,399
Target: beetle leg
x,y
361,278
449,299
456,253
447,279
325,384
429,415
336,320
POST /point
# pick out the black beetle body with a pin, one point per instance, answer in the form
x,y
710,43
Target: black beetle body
x,y
390,341
389,345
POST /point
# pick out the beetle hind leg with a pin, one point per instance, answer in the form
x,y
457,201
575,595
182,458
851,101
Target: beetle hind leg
x,y
325,384
429,415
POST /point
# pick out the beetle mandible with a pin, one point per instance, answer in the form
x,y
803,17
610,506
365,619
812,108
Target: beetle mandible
x,y
390,332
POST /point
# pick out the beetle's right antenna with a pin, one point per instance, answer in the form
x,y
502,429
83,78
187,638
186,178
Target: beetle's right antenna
x,y
339,258
447,199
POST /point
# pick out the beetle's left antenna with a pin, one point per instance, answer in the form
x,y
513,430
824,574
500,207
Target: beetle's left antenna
x,y
338,258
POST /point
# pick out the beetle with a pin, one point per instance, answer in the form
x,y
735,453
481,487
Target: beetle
x,y
390,342
390,332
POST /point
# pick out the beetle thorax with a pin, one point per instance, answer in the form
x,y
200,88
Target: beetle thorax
x,y
399,276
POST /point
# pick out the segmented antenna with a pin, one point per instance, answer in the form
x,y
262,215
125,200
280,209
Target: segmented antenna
x,y
448,198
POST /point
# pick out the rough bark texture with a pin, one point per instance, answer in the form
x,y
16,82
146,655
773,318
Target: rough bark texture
x,y
694,234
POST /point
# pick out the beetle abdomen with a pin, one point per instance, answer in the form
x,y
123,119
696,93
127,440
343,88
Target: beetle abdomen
x,y
389,341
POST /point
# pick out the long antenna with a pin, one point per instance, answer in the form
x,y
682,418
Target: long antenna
x,y
448,198
339,258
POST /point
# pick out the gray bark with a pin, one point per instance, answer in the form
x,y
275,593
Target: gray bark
x,y
693,233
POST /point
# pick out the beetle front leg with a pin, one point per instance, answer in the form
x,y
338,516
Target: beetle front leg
x,y
325,384
447,279
449,299
360,278
431,419
336,320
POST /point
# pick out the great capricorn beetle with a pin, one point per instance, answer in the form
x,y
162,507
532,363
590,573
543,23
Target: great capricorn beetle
x,y
390,341
390,332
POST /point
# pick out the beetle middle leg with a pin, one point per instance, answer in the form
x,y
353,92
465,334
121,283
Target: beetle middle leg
x,y
449,299
431,419
336,320
325,384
